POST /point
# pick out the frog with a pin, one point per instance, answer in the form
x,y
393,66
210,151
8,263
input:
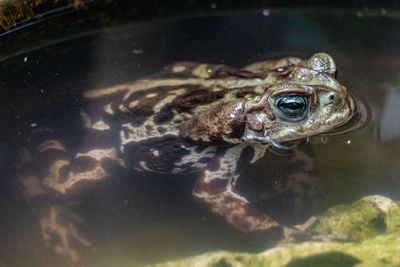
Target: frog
x,y
212,120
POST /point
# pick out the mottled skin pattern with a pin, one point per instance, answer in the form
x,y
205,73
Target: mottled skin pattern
x,y
190,117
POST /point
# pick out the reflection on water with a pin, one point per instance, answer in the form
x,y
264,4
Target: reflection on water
x,y
388,126
151,218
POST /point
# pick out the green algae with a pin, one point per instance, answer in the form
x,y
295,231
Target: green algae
x,y
366,218
372,223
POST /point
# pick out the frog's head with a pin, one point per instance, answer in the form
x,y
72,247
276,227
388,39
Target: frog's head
x,y
308,101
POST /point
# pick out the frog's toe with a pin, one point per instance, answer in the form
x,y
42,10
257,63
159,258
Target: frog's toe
x,y
307,225
81,239
293,234
331,237
60,233
302,232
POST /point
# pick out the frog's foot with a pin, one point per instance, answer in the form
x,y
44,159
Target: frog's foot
x,y
61,235
301,233
331,237
293,234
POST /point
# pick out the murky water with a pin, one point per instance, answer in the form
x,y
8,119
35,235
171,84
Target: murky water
x,y
141,219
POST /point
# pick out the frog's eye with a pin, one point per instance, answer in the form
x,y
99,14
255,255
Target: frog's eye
x,y
292,107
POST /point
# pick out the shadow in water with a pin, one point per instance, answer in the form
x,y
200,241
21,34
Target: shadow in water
x,y
330,259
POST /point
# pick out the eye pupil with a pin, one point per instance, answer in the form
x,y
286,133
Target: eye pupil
x,y
292,106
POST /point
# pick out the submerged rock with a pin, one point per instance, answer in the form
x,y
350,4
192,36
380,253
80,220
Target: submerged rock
x,y
373,223
366,218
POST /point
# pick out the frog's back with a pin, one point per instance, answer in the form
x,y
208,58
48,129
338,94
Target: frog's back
x,y
144,116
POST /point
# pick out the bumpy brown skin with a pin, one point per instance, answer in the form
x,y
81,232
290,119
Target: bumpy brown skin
x,y
216,125
211,119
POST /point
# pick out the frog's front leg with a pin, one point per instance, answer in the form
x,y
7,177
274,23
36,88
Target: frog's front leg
x,y
50,175
215,187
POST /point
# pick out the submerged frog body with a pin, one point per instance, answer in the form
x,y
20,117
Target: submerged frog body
x,y
190,117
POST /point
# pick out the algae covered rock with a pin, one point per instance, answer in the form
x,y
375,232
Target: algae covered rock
x,y
373,223
366,218
374,252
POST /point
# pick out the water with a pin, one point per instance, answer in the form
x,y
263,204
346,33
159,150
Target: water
x,y
141,219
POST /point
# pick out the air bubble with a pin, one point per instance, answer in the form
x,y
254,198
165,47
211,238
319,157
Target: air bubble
x,y
266,12
137,51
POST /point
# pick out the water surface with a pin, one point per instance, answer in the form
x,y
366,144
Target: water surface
x,y
141,219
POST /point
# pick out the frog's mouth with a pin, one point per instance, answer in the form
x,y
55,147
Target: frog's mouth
x,y
358,119
343,116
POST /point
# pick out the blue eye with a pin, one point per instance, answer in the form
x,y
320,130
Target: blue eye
x,y
292,106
